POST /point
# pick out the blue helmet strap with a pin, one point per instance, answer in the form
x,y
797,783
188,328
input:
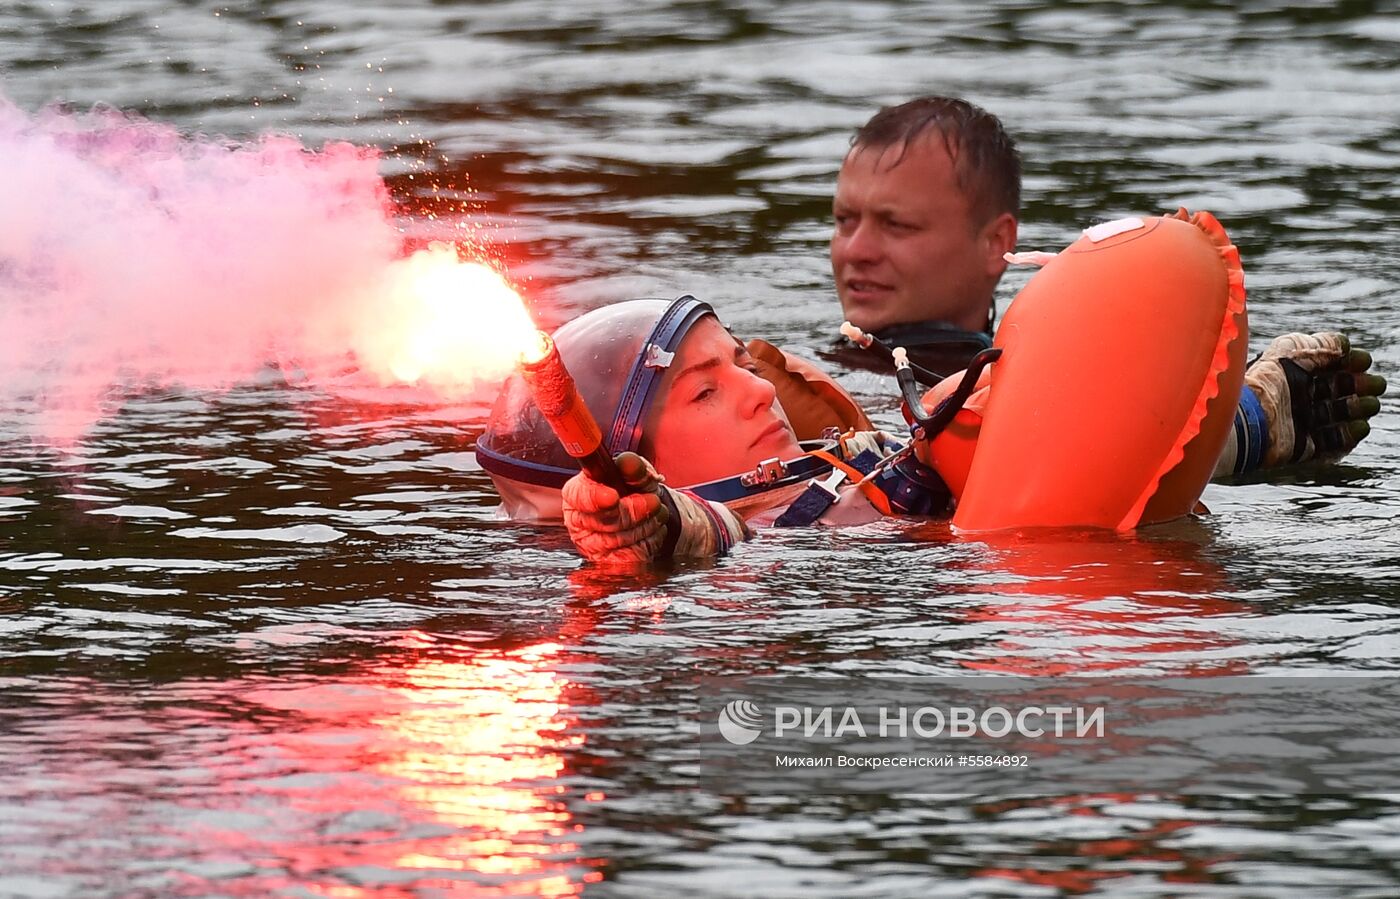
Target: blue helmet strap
x,y
648,370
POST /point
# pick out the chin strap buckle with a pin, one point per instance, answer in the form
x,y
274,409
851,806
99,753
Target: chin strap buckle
x,y
767,472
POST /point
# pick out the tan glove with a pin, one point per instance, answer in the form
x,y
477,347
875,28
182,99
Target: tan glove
x,y
1317,396
652,524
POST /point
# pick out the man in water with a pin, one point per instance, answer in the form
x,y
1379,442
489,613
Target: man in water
x,y
925,211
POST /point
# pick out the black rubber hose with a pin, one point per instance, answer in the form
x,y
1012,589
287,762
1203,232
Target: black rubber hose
x,y
874,345
933,423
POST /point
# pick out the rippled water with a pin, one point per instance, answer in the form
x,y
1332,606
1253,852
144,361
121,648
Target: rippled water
x,y
272,641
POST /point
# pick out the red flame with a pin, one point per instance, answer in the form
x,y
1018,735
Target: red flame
x,y
445,323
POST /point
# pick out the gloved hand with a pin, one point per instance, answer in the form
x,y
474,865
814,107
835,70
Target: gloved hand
x,y
617,530
652,524
1316,394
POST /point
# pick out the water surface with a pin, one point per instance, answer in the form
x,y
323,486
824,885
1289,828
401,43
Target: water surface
x,y
272,640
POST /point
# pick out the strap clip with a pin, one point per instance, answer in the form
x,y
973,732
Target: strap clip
x,y
829,485
656,357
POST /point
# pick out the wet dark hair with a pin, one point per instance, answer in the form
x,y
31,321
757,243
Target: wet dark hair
x,y
985,161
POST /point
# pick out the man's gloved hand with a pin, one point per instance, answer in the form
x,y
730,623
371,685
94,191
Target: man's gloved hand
x,y
617,530
1316,394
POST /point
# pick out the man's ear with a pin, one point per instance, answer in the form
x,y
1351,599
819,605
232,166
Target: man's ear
x,y
999,236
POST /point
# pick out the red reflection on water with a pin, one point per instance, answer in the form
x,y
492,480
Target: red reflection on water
x,y
1146,847
1099,603
480,750
440,774
1085,603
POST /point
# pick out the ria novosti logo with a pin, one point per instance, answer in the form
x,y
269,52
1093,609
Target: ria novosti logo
x,y
740,722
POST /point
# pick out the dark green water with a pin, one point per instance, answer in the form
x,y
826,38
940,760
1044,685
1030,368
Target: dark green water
x,y
271,641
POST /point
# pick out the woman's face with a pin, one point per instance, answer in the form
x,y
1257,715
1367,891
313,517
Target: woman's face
x,y
716,417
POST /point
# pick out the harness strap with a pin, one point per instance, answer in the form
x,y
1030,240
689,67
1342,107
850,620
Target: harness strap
x,y
812,503
856,470
819,496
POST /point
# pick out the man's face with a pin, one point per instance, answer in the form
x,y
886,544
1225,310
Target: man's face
x,y
716,418
906,247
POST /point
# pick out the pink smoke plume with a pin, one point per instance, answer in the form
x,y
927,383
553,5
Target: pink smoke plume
x,y
132,255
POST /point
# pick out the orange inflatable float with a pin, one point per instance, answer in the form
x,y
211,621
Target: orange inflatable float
x,y
1122,365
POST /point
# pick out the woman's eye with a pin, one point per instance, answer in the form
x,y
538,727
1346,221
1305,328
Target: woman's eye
x,y
704,395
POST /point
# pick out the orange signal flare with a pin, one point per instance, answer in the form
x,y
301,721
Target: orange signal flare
x,y
540,348
557,397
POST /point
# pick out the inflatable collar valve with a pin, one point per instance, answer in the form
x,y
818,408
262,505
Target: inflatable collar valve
x,y
1030,257
856,335
880,348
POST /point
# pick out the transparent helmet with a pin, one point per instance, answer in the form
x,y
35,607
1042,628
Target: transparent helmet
x,y
616,355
